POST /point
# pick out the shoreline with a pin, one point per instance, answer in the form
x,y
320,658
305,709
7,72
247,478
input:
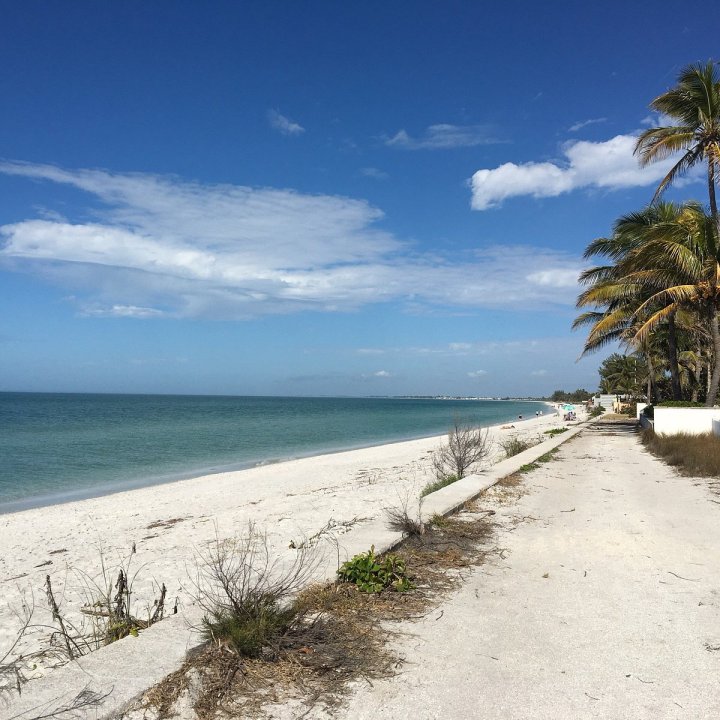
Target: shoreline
x,y
170,524
78,495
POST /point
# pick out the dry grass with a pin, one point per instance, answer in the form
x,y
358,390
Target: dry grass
x,y
343,635
697,455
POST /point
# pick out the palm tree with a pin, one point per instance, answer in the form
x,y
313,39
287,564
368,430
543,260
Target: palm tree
x,y
680,262
695,104
624,374
620,291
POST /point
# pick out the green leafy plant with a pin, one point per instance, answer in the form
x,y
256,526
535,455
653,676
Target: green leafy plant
x,y
596,411
373,574
552,432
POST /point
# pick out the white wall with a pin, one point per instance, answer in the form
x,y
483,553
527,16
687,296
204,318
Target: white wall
x,y
605,400
693,421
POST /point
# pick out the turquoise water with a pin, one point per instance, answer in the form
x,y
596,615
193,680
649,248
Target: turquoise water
x,y
58,447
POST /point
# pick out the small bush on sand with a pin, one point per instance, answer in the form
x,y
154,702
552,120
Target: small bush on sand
x,y
552,432
515,445
466,446
596,411
691,454
246,595
373,574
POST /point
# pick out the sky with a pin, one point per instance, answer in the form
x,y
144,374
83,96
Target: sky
x,y
319,198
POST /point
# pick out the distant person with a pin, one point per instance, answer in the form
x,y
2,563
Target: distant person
x,y
519,417
537,414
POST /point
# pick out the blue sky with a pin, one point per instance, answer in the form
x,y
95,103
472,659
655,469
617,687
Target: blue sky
x,y
318,197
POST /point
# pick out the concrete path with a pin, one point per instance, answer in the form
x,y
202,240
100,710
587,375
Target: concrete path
x,y
606,604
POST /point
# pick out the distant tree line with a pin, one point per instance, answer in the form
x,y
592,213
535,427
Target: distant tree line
x,y
577,396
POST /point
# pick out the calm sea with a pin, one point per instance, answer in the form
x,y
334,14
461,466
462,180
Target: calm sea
x,y
58,447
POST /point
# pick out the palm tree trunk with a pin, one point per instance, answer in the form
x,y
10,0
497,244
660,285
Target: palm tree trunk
x,y
711,193
651,372
713,389
673,358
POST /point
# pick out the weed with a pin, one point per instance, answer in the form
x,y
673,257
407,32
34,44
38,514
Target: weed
x,y
552,432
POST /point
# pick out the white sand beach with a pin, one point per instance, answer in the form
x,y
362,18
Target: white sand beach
x,y
168,524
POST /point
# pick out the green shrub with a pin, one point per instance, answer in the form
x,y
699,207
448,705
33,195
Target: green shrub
x,y
248,630
552,432
373,574
438,484
680,403
596,411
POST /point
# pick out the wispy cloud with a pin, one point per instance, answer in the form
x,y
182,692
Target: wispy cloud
x,y
444,137
477,373
609,164
539,373
160,246
283,124
375,173
584,123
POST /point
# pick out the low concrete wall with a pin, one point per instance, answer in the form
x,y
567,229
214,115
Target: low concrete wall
x,y
121,672
716,428
639,408
692,421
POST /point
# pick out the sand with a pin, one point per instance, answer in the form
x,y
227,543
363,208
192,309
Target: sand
x,y
169,524
604,604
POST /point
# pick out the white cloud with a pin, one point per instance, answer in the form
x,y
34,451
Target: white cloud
x,y
370,351
538,373
460,346
382,374
284,125
555,277
584,123
159,245
477,373
374,173
443,137
127,311
609,164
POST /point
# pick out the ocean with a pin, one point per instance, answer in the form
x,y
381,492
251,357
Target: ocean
x,y
60,447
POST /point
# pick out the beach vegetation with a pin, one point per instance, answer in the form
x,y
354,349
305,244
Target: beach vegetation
x,y
438,484
466,447
246,594
402,519
372,573
340,635
552,432
596,411
515,445
697,455
546,457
